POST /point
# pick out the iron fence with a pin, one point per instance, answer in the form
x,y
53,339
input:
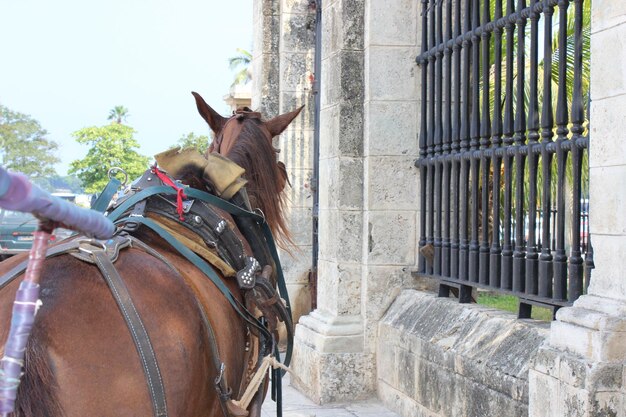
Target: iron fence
x,y
503,148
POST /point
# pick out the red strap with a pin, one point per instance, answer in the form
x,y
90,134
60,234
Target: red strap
x,y
180,193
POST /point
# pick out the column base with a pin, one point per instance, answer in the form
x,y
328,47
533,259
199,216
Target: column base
x,y
581,371
329,362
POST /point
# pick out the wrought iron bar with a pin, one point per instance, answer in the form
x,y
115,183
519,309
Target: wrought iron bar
x,y
507,245
496,140
547,124
438,19
456,147
431,140
423,143
532,255
465,145
447,142
519,138
485,132
560,258
576,266
474,143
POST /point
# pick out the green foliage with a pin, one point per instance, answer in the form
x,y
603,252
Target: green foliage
x,y
110,146
511,303
242,60
191,140
23,145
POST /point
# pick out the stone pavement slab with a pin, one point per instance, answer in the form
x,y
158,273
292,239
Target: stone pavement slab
x,y
296,404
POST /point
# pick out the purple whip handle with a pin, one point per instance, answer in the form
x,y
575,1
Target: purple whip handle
x,y
22,319
11,364
18,193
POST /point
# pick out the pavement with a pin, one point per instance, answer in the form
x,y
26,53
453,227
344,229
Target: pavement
x,y
296,404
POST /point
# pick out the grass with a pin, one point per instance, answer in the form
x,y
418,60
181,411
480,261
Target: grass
x,y
511,303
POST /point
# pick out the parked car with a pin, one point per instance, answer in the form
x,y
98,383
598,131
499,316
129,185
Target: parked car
x,y
16,232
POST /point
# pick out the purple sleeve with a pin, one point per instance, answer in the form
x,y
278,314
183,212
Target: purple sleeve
x,y
18,193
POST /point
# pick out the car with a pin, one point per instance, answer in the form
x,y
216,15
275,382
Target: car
x,y
16,232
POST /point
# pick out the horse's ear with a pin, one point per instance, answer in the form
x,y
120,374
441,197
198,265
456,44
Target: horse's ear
x,y
280,123
215,121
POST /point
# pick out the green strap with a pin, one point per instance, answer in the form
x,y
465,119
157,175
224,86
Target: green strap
x,y
103,200
202,266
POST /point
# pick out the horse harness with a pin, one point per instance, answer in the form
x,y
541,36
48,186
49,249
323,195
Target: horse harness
x,y
223,237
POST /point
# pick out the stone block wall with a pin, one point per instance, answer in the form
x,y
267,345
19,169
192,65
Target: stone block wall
x,y
437,357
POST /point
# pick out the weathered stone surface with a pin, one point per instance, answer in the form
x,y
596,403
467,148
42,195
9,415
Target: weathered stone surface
x,y
606,151
339,287
298,31
391,73
393,183
391,128
295,70
332,377
459,370
391,238
609,75
610,220
343,26
388,26
606,14
341,183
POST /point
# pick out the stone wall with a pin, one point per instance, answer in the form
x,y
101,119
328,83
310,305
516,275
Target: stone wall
x,y
437,357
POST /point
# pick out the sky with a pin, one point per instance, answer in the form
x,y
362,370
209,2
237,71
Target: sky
x,y
67,63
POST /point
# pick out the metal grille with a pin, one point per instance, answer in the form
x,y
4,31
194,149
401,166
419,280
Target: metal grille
x,y
503,148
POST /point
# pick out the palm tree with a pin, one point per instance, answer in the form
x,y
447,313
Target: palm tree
x,y
242,60
118,114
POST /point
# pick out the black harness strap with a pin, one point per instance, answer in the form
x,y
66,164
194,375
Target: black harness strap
x,y
137,331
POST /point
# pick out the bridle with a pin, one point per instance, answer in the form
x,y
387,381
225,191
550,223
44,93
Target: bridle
x,y
238,115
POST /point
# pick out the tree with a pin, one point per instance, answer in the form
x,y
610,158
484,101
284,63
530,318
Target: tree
x,y
112,145
24,146
118,114
242,60
191,140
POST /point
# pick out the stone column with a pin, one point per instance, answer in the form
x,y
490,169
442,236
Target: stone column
x,y
265,64
329,356
581,371
368,192
296,53
284,45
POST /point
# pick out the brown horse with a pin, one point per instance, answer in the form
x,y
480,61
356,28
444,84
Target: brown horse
x,y
81,359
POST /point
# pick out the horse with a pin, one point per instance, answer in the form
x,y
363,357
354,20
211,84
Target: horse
x,y
81,358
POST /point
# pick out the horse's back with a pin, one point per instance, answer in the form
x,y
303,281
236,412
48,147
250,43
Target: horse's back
x,y
81,354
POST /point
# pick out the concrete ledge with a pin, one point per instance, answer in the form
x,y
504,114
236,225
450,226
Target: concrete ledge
x,y
455,359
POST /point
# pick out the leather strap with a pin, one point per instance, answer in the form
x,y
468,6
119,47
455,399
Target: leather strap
x,y
137,331
21,267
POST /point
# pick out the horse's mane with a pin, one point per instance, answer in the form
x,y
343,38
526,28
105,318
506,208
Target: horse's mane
x,y
255,153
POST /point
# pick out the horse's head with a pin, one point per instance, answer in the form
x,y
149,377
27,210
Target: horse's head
x,y
246,139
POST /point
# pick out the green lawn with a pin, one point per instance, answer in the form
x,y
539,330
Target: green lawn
x,y
510,303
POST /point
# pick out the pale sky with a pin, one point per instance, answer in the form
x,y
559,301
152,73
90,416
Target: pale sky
x,y
66,63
